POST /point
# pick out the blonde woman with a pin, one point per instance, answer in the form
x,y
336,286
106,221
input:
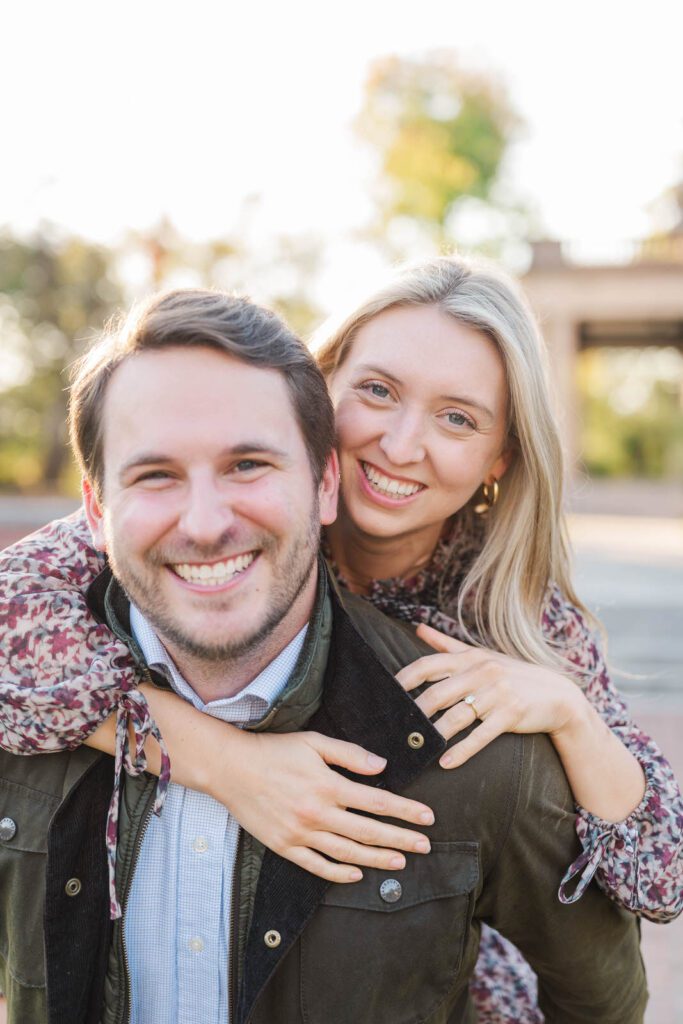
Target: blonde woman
x,y
451,517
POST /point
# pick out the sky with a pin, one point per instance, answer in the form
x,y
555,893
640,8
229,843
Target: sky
x,y
115,115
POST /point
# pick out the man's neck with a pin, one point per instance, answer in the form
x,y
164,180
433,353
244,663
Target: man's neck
x,y
217,680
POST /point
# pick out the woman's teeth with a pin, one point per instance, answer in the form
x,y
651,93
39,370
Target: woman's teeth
x,y
385,485
215,574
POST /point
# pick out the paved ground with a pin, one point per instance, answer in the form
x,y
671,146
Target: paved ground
x,y
630,571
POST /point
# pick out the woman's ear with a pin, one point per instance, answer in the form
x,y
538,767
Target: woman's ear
x,y
500,466
94,514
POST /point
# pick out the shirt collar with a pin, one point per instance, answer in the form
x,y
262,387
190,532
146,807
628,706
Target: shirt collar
x,y
264,689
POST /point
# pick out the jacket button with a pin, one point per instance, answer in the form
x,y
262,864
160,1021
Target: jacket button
x,y
73,887
8,829
391,890
416,740
272,939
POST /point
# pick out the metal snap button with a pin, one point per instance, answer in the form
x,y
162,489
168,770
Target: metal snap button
x,y
8,829
391,890
272,939
416,740
73,887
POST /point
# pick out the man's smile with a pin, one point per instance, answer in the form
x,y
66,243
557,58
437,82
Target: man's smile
x,y
213,574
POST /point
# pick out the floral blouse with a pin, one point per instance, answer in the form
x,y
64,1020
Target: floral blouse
x,y
62,674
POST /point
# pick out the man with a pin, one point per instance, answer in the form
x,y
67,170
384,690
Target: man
x,y
205,436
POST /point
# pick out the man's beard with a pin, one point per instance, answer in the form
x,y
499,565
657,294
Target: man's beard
x,y
290,577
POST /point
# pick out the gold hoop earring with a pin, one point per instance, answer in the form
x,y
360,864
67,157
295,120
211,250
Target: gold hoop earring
x,y
490,494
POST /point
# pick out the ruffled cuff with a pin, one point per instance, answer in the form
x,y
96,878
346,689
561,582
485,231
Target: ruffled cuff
x,y
132,714
632,856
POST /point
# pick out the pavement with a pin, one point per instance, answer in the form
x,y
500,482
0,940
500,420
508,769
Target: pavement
x,y
629,570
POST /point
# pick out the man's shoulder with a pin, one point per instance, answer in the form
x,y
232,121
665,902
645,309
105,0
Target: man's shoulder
x,y
394,643
43,777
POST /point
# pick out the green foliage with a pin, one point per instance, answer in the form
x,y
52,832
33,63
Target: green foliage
x,y
54,294
441,135
643,440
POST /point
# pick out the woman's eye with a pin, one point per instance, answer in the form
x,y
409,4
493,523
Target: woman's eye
x,y
375,389
460,420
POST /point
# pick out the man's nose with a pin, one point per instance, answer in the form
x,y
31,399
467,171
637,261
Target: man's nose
x,y
206,515
403,440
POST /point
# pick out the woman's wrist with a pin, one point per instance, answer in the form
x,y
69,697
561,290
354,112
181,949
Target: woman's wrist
x,y
576,718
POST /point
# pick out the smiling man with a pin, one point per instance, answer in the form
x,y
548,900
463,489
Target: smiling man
x,y
213,530
205,435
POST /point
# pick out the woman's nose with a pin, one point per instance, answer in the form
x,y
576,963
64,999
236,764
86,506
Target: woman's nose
x,y
403,441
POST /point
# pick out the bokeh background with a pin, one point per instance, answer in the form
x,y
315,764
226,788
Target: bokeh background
x,y
296,151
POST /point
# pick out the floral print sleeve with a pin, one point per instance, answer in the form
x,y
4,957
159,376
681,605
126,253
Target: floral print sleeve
x,y
638,861
61,672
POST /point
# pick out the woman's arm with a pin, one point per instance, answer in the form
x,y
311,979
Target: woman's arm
x,y
630,812
65,679
280,788
513,696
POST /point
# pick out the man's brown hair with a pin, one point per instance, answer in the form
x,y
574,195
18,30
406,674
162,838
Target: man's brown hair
x,y
189,318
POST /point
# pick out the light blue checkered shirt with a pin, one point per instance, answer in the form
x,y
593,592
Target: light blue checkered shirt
x,y
177,921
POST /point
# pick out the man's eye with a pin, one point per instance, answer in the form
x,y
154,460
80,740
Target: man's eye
x,y
248,465
153,475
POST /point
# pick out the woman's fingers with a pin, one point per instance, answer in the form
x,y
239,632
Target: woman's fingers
x,y
440,641
457,718
346,851
318,865
479,738
449,692
347,755
366,798
434,667
383,803
373,833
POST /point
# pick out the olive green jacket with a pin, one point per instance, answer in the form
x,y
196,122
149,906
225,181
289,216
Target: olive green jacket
x,y
304,950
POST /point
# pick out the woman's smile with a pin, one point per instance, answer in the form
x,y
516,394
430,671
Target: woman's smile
x,y
386,488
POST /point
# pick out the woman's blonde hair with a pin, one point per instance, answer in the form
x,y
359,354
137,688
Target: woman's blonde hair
x,y
525,549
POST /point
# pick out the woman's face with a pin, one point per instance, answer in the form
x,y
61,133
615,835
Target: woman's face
x,y
421,403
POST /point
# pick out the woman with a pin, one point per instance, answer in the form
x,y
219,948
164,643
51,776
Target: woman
x,y
451,517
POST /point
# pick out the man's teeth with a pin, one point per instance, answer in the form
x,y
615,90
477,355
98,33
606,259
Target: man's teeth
x,y
215,574
385,485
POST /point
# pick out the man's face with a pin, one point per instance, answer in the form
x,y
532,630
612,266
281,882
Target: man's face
x,y
209,512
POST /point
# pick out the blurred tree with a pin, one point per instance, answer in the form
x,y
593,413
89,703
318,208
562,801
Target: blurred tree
x,y
54,293
441,134
632,412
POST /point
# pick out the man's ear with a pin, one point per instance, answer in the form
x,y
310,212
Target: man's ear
x,y
328,490
94,514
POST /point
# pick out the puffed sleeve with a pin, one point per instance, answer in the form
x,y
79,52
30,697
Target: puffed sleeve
x,y
637,861
62,673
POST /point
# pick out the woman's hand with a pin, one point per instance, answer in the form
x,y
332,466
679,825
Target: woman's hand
x,y
509,695
281,789
292,801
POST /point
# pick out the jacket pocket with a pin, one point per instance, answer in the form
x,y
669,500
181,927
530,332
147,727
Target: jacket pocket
x,y
387,949
25,816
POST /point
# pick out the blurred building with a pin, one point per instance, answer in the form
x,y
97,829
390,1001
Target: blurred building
x,y
632,301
